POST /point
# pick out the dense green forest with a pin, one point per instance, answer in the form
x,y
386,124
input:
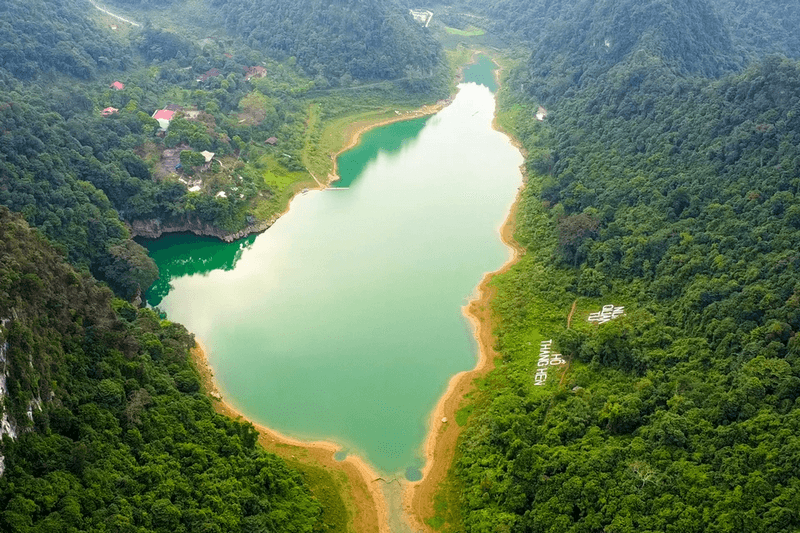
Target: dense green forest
x,y
338,41
676,196
577,42
111,430
79,174
665,179
41,36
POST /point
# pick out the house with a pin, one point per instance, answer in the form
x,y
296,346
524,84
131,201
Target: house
x,y
163,116
107,112
272,141
213,73
208,157
541,114
255,72
117,86
173,107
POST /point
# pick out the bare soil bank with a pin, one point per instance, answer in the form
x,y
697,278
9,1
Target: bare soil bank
x,y
440,446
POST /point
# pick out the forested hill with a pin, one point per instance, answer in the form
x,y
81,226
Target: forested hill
x,y
338,40
763,26
677,197
687,34
573,43
103,424
40,36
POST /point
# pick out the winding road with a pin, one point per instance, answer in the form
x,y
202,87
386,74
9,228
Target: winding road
x,y
107,12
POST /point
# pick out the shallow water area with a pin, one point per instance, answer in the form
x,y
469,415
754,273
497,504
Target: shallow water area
x,y
343,321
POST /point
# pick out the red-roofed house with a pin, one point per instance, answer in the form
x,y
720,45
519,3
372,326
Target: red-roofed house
x,y
213,73
117,85
107,112
255,72
163,116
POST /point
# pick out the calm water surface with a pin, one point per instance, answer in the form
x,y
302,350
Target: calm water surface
x,y
343,321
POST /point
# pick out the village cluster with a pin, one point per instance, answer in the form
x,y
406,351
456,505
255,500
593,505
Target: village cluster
x,y
546,359
609,312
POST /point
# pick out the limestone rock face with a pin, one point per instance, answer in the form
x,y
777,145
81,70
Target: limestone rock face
x,y
155,228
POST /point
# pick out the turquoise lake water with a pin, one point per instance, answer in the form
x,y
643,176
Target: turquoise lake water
x,y
343,321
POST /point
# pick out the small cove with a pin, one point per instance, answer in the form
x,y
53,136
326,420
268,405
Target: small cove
x,y
343,321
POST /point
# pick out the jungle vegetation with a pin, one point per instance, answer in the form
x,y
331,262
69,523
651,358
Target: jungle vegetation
x,y
664,179
112,430
79,174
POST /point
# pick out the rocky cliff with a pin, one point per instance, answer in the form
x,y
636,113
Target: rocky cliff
x,y
155,228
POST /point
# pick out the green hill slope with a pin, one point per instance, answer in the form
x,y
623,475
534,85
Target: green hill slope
x,y
40,36
679,199
354,39
108,429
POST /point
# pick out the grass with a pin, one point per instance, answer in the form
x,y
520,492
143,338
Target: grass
x,y
277,185
463,414
327,487
471,31
324,139
446,504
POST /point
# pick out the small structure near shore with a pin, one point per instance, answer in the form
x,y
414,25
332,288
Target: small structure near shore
x,y
255,72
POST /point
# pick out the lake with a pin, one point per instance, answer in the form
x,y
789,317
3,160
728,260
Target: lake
x,y
343,321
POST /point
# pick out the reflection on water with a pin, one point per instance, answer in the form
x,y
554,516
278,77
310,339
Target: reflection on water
x,y
185,254
351,164
482,73
343,321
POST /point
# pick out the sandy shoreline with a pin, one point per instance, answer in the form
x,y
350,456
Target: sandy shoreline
x,y
370,513
440,445
442,439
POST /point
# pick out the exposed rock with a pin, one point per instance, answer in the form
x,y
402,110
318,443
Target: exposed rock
x,y
155,228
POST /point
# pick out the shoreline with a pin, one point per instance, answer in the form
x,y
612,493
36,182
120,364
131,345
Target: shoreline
x,y
138,228
370,513
357,129
440,444
366,501
442,439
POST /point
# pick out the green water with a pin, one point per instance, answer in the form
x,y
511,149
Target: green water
x,y
343,321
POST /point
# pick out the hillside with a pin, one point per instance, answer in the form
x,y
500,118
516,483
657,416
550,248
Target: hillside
x,y
63,42
77,153
338,41
103,423
671,190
